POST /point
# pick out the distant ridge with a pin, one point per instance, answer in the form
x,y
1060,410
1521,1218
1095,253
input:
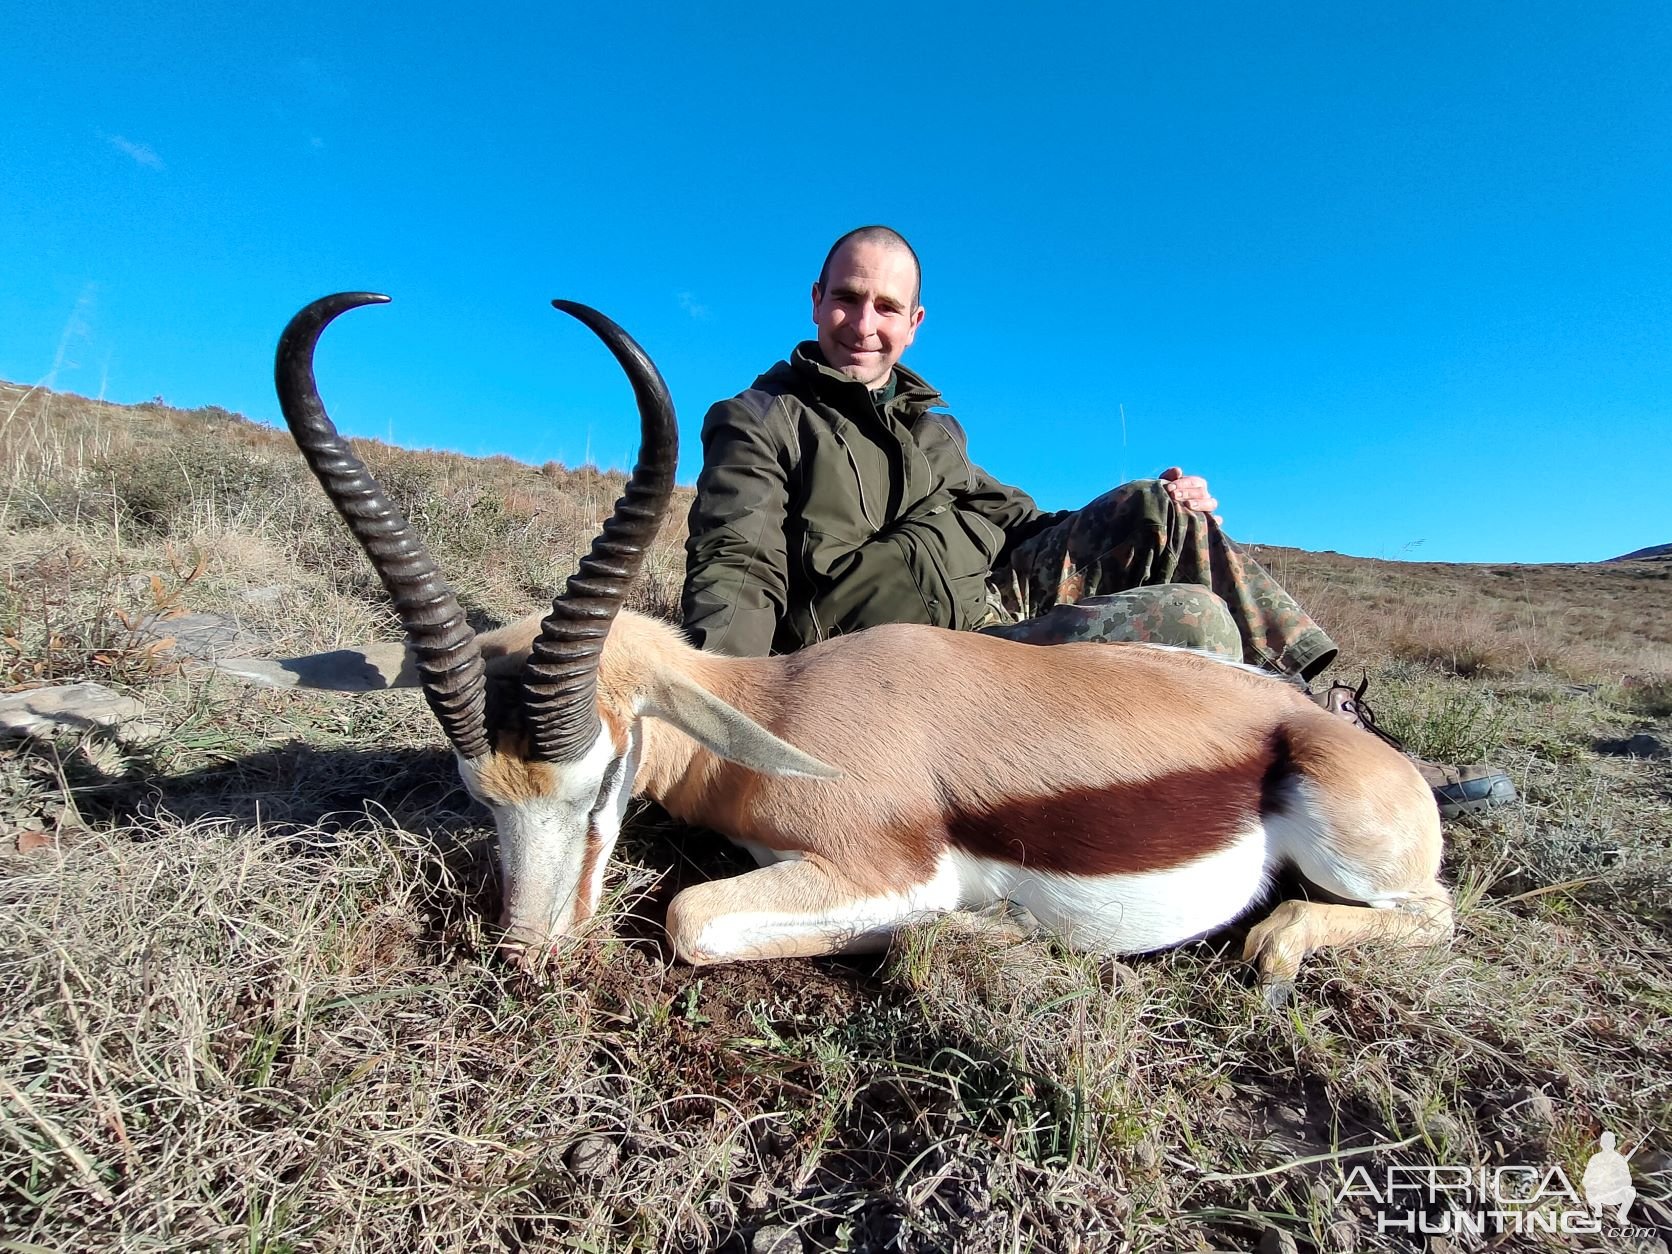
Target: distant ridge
x,y
1654,550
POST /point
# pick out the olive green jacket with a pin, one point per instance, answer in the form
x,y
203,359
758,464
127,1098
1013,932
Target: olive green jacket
x,y
820,511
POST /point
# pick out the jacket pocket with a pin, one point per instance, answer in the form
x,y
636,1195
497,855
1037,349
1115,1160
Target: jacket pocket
x,y
940,563
955,551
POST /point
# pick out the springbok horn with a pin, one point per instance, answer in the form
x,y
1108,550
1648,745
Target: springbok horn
x,y
448,658
561,682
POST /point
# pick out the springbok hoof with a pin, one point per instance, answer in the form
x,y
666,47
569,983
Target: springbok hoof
x,y
1277,994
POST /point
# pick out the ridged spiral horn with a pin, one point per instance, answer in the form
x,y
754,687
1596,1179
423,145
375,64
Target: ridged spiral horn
x,y
449,660
560,683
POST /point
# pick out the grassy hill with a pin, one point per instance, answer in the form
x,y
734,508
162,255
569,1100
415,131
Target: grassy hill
x,y
1658,552
246,1000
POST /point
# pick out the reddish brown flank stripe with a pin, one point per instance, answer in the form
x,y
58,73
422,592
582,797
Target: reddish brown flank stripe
x,y
1128,828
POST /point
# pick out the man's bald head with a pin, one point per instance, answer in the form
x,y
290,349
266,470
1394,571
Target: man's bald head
x,y
884,236
866,304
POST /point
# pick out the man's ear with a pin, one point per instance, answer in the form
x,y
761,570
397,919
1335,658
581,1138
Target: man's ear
x,y
916,321
818,296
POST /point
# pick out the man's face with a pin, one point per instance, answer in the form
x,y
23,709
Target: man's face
x,y
866,311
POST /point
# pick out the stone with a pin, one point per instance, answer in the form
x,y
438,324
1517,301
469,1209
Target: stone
x,y
777,1137
265,598
1642,745
205,636
1342,1236
775,1239
1276,1241
75,708
1537,1104
590,1157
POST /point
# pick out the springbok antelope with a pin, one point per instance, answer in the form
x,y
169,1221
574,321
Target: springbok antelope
x,y
1129,797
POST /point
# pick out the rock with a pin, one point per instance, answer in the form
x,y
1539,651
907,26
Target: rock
x,y
1645,745
205,636
777,1138
775,1239
1147,1154
266,598
1652,1163
590,1157
1642,745
1118,972
1276,1241
1342,1236
1537,1105
369,668
75,708
30,842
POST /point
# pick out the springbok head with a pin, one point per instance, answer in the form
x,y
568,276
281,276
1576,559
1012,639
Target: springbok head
x,y
538,742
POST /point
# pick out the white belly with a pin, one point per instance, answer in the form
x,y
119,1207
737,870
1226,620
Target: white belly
x,y
1124,914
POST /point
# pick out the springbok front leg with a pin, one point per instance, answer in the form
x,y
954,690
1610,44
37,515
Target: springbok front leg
x,y
1278,943
798,909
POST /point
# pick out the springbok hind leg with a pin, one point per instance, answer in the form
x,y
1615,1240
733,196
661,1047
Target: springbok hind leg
x,y
797,909
1278,943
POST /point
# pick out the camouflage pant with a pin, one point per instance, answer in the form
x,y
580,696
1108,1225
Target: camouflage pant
x,y
1132,565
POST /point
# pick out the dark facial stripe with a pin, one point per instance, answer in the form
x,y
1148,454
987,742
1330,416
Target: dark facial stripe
x,y
1128,828
586,901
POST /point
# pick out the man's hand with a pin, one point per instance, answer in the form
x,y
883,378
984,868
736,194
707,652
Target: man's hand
x,y
1190,491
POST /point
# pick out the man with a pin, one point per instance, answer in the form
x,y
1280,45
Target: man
x,y
836,495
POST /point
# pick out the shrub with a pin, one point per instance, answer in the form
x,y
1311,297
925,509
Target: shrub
x,y
161,490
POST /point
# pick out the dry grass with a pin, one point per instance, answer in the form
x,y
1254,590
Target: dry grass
x,y
1598,621
245,1001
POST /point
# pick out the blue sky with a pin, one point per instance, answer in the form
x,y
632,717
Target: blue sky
x,y
1397,279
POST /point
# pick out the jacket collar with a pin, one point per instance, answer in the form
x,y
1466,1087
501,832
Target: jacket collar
x,y
910,389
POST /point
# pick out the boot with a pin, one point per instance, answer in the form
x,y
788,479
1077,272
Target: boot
x,y
1457,789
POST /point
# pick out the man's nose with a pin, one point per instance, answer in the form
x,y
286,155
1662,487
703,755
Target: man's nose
x,y
865,321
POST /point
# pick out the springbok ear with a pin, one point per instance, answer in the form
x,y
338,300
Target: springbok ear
x,y
369,668
728,732
505,649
